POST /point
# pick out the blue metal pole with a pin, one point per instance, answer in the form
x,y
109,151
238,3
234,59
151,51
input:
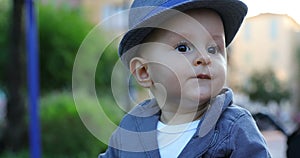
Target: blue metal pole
x,y
33,79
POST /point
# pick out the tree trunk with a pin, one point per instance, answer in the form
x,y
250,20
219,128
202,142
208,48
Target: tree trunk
x,y
14,136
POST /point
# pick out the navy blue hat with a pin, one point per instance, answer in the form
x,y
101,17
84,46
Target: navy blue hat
x,y
143,13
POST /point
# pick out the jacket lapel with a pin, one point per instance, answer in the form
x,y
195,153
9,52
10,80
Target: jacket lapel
x,y
146,129
206,135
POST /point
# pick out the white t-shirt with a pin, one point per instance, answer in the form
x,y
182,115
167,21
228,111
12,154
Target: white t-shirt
x,y
173,138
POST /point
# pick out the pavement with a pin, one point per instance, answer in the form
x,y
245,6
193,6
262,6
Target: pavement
x,y
276,142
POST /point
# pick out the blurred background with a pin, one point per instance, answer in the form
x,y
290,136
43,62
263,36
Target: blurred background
x,y
263,71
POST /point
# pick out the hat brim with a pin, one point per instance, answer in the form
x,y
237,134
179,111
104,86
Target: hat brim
x,y
232,13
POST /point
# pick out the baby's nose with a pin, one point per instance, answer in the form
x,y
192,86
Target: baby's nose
x,y
202,60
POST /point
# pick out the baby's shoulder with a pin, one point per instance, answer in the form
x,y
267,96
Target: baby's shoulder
x,y
234,115
145,109
233,112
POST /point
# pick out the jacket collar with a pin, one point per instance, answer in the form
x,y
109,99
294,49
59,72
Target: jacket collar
x,y
206,135
217,105
148,117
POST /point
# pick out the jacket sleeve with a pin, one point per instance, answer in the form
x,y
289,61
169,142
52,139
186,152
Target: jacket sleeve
x,y
246,139
111,152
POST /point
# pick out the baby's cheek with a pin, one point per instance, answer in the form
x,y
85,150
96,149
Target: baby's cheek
x,y
222,73
220,66
166,76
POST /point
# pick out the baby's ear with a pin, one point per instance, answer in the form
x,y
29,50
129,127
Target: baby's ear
x,y
139,69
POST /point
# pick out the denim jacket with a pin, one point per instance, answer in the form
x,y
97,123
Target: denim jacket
x,y
231,133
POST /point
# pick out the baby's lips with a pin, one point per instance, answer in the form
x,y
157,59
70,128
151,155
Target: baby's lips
x,y
204,76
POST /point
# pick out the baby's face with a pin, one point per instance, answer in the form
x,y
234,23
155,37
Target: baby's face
x,y
189,60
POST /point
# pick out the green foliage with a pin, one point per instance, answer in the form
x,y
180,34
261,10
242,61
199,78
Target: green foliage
x,y
297,57
63,132
62,32
265,87
4,43
21,154
105,68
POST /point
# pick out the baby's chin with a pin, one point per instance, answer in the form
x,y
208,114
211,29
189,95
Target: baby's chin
x,y
196,99
201,97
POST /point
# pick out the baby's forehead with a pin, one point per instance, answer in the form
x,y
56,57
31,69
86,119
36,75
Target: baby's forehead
x,y
189,25
164,35
170,37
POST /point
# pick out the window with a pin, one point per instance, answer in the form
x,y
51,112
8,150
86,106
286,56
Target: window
x,y
273,29
275,57
247,58
247,32
111,9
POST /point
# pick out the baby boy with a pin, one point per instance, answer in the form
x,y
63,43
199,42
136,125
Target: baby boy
x,y
177,50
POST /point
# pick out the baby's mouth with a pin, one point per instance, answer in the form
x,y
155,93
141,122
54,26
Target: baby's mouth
x,y
204,76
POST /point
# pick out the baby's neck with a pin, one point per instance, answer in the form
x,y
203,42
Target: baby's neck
x,y
174,118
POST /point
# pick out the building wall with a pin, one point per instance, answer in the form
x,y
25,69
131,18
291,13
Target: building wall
x,y
94,10
266,41
98,10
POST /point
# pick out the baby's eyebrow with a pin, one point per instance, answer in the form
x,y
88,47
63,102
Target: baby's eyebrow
x,y
219,40
174,37
178,34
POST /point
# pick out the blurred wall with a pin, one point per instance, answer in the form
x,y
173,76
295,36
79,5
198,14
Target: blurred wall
x,y
98,10
265,41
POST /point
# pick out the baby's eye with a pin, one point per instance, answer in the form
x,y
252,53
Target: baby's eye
x,y
213,49
183,48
